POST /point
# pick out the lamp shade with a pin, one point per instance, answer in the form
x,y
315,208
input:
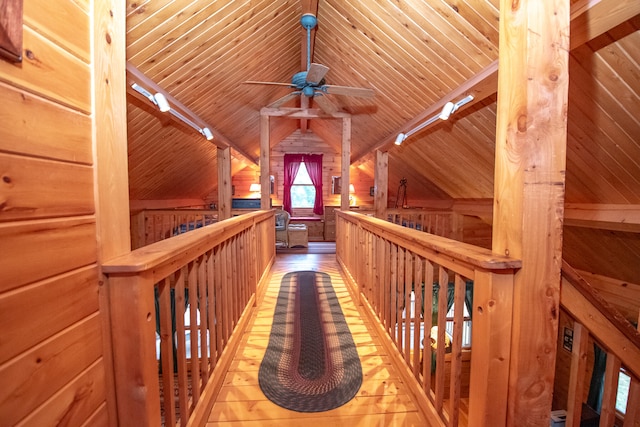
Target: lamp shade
x,y
254,188
352,189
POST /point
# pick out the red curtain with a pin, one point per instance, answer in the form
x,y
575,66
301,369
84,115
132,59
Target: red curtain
x,y
291,166
313,163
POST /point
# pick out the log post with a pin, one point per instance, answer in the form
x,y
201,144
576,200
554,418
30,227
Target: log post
x,y
531,136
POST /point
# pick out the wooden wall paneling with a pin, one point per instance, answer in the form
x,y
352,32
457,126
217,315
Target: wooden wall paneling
x,y
44,369
55,246
51,71
64,22
76,402
35,188
79,291
36,128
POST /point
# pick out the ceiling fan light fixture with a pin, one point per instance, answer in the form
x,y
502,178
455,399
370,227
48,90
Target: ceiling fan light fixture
x,y
161,102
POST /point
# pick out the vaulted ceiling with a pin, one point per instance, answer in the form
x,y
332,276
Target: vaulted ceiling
x,y
413,53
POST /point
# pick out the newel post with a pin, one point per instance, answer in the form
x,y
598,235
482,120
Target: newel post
x,y
491,338
133,322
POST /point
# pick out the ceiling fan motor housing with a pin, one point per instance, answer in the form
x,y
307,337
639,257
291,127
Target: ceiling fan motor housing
x,y
308,21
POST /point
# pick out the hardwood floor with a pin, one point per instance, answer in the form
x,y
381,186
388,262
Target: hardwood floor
x,y
383,399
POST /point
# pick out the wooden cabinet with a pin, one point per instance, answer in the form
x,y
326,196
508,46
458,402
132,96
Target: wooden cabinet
x,y
330,223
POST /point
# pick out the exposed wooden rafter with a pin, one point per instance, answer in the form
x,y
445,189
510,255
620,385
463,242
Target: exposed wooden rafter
x,y
136,76
589,19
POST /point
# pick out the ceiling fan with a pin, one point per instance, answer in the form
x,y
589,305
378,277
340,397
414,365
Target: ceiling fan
x,y
311,83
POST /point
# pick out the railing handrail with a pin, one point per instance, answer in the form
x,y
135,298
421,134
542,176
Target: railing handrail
x,y
617,321
184,245
601,304
428,244
213,273
385,263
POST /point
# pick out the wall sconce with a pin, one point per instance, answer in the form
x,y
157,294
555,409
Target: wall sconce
x,y
255,188
448,109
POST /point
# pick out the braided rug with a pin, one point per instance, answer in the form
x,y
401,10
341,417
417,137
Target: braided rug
x,y
311,363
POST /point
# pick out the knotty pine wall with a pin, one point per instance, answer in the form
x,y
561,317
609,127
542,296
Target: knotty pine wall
x,y
307,143
52,364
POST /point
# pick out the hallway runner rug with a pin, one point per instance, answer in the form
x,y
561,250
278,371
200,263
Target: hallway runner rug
x,y
311,363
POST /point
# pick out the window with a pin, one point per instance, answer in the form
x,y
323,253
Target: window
x,y
303,193
466,325
623,392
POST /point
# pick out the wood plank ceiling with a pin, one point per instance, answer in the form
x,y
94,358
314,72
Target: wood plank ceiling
x,y
411,52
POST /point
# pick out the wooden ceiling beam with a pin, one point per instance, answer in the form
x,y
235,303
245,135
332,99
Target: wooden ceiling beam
x,y
302,113
603,216
589,19
219,140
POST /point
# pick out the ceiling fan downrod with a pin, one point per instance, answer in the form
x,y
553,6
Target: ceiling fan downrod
x,y
309,22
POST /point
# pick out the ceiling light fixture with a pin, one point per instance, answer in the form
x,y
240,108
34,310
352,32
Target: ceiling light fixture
x,y
207,134
161,102
448,109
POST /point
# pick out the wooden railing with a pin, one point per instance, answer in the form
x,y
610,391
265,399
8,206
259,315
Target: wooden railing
x,y
384,263
440,223
595,318
152,225
213,273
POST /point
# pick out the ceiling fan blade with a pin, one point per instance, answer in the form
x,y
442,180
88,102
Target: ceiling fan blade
x,y
349,91
316,73
325,104
284,99
250,82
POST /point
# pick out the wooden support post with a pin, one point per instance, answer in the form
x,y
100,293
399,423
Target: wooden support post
x,y
488,385
224,183
531,135
381,183
134,342
265,149
632,416
346,156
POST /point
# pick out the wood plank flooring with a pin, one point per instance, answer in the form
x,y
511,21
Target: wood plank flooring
x,y
383,399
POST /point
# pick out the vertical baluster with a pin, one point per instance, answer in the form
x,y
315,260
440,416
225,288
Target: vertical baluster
x,y
183,380
443,282
202,327
632,416
384,288
400,300
417,312
456,351
166,351
192,280
577,374
407,305
428,323
393,296
211,313
218,275
611,375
